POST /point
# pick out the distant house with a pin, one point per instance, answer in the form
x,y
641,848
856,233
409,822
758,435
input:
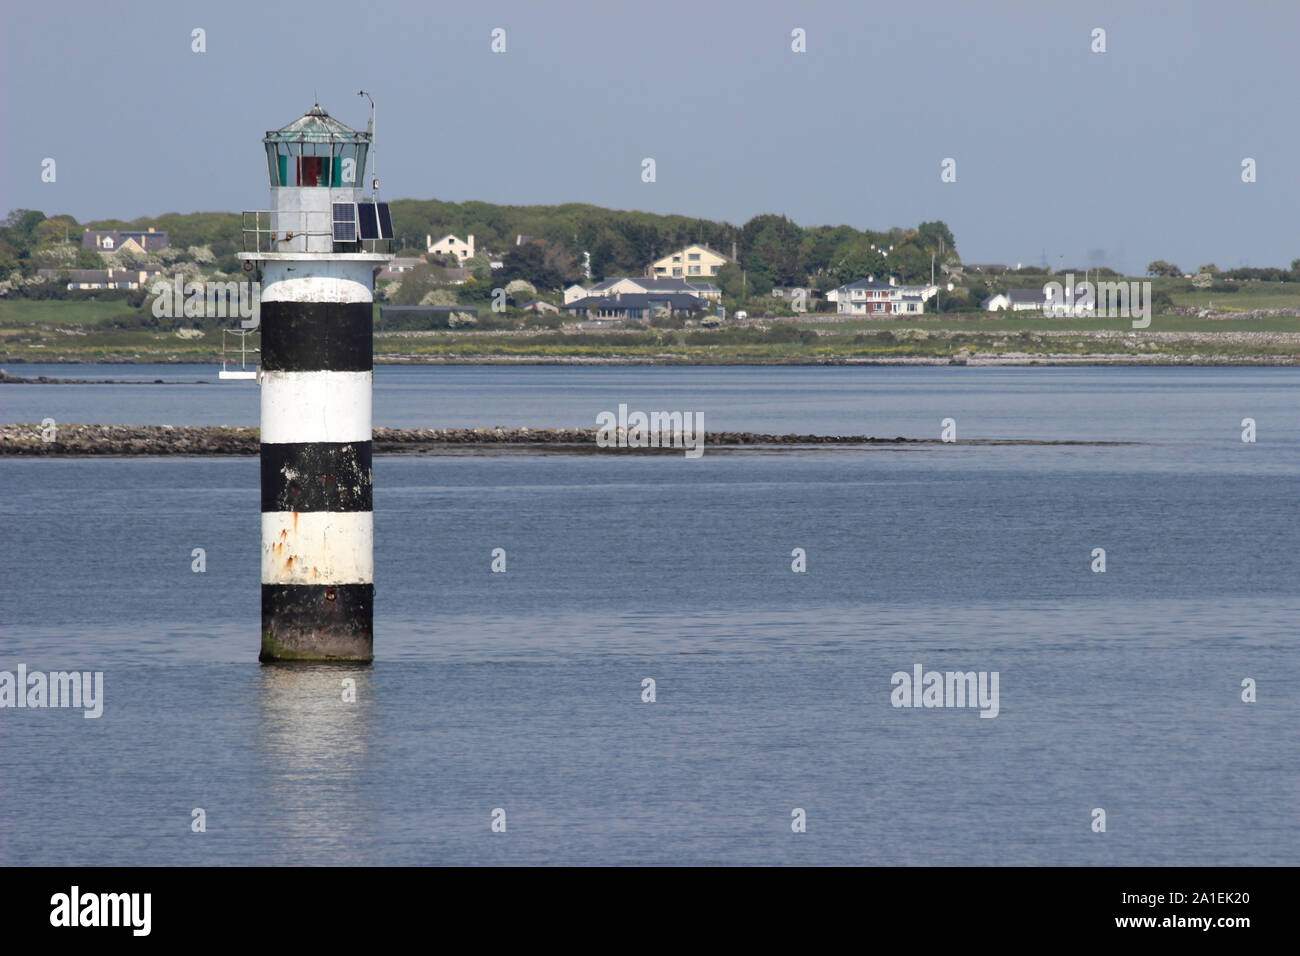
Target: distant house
x,y
869,297
635,305
573,293
102,278
1017,300
449,245
1076,305
539,306
399,267
652,284
694,260
115,240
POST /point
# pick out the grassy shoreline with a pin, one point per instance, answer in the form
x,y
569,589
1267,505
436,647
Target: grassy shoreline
x,y
942,348
63,333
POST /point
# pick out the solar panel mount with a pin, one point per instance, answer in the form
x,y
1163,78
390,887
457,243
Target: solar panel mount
x,y
368,220
345,222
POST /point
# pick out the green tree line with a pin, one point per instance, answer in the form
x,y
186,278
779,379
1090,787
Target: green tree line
x,y
771,250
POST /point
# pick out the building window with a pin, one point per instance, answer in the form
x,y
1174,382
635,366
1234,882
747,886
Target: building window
x,y
693,270
677,271
694,257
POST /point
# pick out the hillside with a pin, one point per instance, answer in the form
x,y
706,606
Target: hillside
x,y
772,250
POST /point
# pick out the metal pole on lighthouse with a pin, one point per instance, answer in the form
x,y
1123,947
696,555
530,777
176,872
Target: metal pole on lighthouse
x,y
314,252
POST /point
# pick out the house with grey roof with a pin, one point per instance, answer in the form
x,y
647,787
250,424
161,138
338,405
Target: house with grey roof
x,y
635,305
100,278
134,240
662,285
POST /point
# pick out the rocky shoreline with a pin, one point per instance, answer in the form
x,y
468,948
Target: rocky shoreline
x,y
192,440
7,379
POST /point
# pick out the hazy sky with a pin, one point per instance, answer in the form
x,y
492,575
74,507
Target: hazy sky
x,y
1118,157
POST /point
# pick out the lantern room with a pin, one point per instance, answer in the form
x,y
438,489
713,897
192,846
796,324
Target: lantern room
x,y
317,150
317,168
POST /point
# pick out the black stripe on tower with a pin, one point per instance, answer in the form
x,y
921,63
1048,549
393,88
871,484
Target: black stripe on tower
x,y
317,336
317,476
317,621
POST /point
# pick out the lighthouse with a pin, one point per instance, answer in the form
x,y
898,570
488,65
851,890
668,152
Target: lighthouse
x,y
314,253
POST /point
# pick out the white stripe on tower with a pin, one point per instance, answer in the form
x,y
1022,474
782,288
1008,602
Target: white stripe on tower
x,y
318,547
316,406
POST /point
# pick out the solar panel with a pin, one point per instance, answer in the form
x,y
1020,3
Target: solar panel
x,y
385,221
368,220
345,222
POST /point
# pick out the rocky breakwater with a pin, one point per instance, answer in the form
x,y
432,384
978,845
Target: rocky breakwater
x,y
57,439
414,439
69,440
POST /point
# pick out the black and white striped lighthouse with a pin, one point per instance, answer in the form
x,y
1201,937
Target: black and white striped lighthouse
x,y
314,253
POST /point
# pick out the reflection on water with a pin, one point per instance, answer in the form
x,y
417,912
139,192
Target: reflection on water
x,y
314,728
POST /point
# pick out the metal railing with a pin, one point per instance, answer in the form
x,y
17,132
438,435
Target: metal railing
x,y
291,236
243,372
295,233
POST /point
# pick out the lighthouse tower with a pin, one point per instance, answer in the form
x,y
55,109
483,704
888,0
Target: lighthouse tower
x,y
315,252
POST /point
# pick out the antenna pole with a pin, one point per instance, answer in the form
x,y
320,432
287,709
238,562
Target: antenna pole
x,y
374,168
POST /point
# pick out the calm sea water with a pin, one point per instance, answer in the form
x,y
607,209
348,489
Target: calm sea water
x,y
522,690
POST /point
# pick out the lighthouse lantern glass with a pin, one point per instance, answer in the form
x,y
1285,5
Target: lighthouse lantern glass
x,y
317,150
338,165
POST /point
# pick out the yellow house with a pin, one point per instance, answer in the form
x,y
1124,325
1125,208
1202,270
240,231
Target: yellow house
x,y
694,260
